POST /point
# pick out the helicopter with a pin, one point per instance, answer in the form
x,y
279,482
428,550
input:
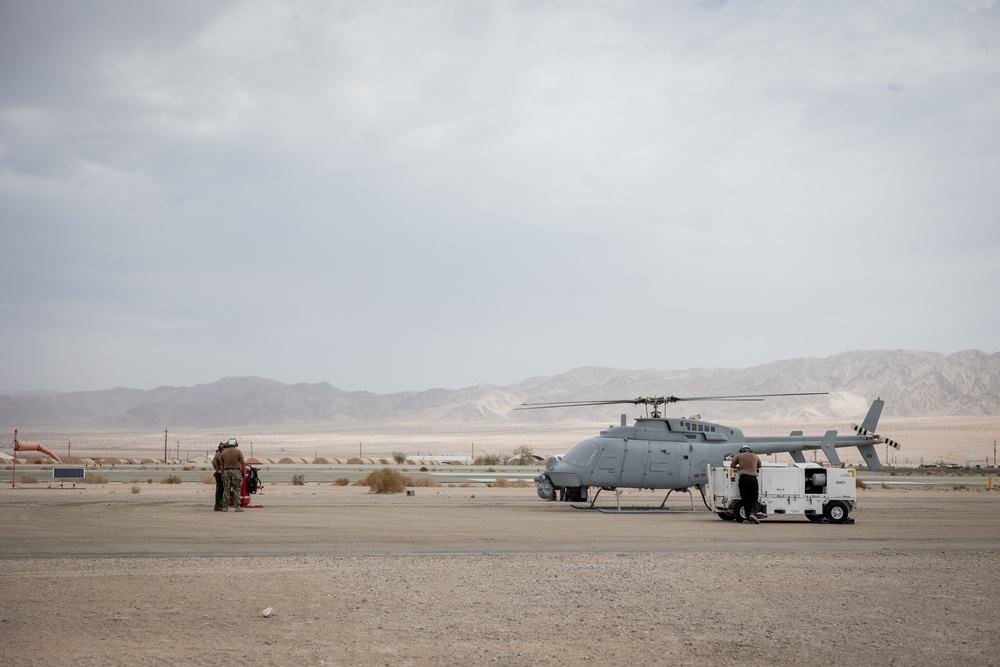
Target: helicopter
x,y
675,453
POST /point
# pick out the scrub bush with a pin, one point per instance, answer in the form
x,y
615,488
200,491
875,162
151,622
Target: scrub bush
x,y
385,481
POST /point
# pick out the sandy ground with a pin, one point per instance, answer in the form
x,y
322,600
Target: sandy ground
x,y
99,575
924,441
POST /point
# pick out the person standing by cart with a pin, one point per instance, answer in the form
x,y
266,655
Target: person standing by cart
x,y
748,465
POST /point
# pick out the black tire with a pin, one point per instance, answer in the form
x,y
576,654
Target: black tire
x,y
836,511
814,517
726,516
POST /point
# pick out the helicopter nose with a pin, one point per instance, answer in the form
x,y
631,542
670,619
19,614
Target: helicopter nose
x,y
545,489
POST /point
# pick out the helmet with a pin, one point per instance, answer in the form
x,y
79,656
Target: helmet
x,y
745,448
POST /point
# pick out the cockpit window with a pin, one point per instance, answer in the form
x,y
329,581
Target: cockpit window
x,y
584,454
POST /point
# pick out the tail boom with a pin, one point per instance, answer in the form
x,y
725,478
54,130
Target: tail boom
x,y
796,443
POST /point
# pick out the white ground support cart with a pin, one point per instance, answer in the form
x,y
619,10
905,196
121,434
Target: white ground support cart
x,y
820,494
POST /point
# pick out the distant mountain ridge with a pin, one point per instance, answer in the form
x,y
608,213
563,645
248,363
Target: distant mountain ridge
x,y
912,383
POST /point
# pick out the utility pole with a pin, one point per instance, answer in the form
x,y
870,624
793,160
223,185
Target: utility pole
x,y
164,445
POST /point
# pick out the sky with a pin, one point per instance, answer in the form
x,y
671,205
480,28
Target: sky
x,y
398,196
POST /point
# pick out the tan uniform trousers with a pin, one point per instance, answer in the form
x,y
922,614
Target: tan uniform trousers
x,y
232,482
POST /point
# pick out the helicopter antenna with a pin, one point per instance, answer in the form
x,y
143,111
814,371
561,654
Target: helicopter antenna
x,y
657,401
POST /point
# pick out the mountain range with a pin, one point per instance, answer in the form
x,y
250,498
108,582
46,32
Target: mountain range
x,y
913,384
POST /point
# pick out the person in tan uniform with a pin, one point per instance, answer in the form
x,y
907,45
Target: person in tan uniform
x,y
748,465
217,466
233,467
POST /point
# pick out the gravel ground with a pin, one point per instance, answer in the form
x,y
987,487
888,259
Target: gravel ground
x,y
99,575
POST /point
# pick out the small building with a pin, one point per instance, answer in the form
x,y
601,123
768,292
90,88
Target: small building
x,y
977,464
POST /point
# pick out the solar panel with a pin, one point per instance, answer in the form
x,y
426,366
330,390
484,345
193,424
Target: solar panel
x,y
68,473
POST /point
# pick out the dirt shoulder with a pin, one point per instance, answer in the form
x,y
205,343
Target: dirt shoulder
x,y
105,576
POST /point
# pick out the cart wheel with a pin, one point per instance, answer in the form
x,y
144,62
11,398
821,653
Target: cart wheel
x,y
726,516
814,517
739,512
836,511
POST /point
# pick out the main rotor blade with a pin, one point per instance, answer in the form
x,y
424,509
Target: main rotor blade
x,y
748,397
569,404
659,400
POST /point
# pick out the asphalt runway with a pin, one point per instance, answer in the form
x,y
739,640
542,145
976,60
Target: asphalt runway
x,y
177,521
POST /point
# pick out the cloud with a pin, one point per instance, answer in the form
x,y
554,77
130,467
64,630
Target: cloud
x,y
390,197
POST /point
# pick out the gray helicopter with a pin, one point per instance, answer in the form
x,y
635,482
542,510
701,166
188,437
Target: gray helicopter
x,y
674,453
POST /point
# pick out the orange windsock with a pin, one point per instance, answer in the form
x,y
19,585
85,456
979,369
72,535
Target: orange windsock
x,y
35,447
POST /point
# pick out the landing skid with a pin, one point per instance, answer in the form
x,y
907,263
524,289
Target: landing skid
x,y
662,509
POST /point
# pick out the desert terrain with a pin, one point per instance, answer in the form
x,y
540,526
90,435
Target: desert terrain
x,y
127,574
924,440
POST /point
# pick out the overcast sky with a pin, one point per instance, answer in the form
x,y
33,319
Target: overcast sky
x,y
395,196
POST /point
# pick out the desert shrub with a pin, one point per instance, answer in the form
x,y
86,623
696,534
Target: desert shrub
x,y
399,457
524,456
385,480
149,481
503,483
354,461
94,478
27,478
208,478
171,479
136,488
423,468
488,460
860,483
187,468
423,480
341,481
959,487
298,480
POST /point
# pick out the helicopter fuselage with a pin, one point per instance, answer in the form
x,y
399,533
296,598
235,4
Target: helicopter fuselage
x,y
654,454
